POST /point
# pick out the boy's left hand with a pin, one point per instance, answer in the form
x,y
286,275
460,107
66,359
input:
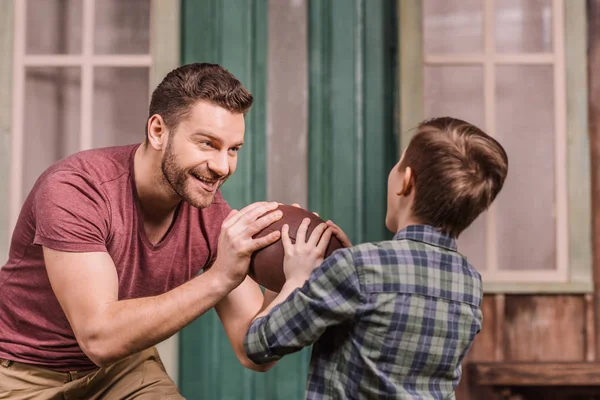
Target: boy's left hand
x,y
305,255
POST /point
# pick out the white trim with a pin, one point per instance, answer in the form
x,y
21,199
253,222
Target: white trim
x,y
87,76
489,95
95,60
489,60
525,58
18,117
165,16
560,147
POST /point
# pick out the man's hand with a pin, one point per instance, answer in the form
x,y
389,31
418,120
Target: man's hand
x,y
339,234
305,255
236,244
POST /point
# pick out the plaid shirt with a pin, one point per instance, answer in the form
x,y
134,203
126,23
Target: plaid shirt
x,y
389,320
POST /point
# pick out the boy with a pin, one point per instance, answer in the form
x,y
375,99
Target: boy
x,y
392,319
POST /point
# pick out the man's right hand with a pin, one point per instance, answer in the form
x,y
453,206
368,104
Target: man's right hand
x,y
236,242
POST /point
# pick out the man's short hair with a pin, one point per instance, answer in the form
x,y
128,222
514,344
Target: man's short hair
x,y
458,171
185,86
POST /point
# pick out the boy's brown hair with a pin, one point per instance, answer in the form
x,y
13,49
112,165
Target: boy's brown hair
x,y
458,170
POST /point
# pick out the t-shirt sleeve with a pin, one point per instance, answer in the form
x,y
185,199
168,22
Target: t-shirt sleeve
x,y
72,213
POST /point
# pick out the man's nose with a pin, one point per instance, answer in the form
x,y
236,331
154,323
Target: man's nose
x,y
220,164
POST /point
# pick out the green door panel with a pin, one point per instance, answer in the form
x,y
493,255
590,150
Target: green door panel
x,y
352,143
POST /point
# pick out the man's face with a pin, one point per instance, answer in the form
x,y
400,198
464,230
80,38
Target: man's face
x,y
202,153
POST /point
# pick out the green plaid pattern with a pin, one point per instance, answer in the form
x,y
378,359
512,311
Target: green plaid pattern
x,y
388,320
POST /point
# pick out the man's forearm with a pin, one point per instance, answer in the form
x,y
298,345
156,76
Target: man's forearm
x,y
286,290
128,326
256,344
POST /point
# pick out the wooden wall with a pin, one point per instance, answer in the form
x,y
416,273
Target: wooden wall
x,y
519,328
548,328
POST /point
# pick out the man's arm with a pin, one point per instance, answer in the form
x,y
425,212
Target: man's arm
x,y
237,311
299,316
86,286
107,330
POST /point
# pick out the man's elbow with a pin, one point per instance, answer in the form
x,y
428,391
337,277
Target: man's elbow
x,y
262,367
99,351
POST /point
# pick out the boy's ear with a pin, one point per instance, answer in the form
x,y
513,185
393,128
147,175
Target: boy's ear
x,y
407,183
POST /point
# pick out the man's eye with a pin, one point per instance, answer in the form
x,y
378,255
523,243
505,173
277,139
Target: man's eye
x,y
206,144
234,149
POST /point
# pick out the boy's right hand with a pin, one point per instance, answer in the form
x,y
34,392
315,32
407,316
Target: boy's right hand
x,y
302,257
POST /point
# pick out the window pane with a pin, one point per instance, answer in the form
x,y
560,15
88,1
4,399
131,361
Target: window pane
x,y
458,92
525,206
453,26
120,105
523,26
52,108
122,27
54,26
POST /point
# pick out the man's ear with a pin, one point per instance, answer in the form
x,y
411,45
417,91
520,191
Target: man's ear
x,y
407,183
157,132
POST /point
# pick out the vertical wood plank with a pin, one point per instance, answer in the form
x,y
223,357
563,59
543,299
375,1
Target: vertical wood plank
x,y
593,73
590,329
165,39
381,145
500,306
287,104
579,215
351,104
545,328
411,71
232,33
483,350
6,62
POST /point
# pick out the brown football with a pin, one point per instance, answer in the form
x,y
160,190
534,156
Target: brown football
x,y
266,265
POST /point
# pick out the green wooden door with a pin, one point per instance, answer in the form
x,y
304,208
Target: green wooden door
x,y
233,33
352,143
352,140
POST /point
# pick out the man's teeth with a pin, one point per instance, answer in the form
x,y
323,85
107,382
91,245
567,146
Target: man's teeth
x,y
206,181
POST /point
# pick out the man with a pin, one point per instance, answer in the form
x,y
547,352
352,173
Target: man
x,y
105,258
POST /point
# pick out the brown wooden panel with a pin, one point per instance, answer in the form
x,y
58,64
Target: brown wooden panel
x,y
484,346
593,19
537,374
484,349
544,328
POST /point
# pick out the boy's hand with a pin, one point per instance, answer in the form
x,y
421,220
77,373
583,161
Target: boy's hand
x,y
337,231
305,255
339,234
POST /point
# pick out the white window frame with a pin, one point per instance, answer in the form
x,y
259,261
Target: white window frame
x,y
163,57
573,271
164,48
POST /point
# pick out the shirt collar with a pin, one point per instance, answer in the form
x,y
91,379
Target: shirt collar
x,y
427,234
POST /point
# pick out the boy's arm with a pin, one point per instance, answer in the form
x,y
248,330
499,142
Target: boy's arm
x,y
298,316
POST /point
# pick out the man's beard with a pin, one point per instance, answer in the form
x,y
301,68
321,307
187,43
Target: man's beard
x,y
176,177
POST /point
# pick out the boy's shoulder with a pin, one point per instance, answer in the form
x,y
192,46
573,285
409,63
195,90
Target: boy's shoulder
x,y
394,251
405,265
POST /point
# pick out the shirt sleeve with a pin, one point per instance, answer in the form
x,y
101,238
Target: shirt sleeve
x,y
71,213
330,296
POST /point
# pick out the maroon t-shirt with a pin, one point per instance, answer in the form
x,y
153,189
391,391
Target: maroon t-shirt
x,y
88,202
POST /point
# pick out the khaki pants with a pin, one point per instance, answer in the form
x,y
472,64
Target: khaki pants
x,y
140,376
